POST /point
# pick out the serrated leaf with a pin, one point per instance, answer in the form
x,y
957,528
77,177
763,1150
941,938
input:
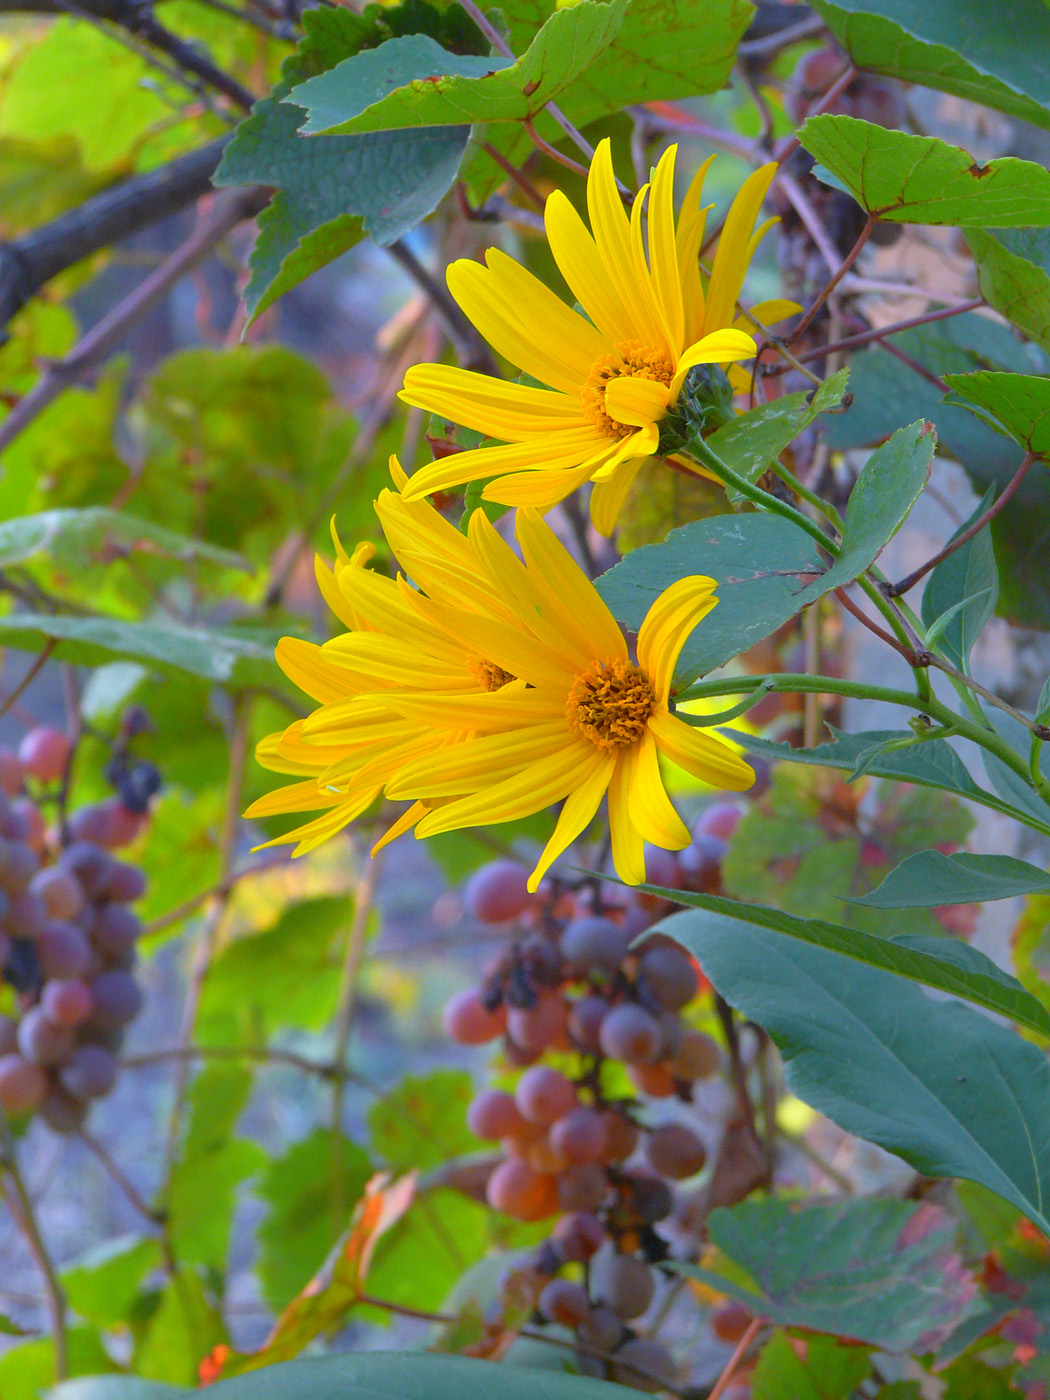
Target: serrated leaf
x,y
1017,405
940,1085
101,1285
1016,286
962,591
929,879
434,87
883,1272
422,1122
310,1190
941,963
923,180
389,180
955,46
821,1370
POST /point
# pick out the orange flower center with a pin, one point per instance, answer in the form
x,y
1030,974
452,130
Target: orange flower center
x,y
632,360
610,704
487,674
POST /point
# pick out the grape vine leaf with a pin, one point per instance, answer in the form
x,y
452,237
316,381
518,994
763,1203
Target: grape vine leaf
x,y
1013,273
923,180
1017,405
330,188
882,1272
940,1085
946,965
423,85
957,46
931,878
80,538
822,1370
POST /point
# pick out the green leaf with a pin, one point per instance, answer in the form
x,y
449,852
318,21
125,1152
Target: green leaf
x,y
937,962
967,585
889,484
932,762
422,1122
760,563
826,1370
923,180
929,879
945,1088
1018,287
665,49
325,184
286,975
311,1190
77,539
102,1285
883,1272
962,48
356,97
1017,405
92,641
391,1375
185,1326
752,442
1008,783
27,1370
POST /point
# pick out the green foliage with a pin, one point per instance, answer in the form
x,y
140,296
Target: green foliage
x,y
818,1370
432,87
961,593
184,1326
946,1089
923,180
883,1272
930,878
980,58
947,965
1013,272
102,1285
310,1190
422,1123
1016,405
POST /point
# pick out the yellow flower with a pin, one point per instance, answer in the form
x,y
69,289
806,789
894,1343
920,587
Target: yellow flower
x,y
587,719
345,750
612,373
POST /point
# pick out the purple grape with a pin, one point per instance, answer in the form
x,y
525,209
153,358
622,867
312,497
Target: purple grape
x,y
115,930
11,774
62,1113
28,915
89,1073
117,997
126,883
594,944
40,1040
63,950
22,1084
44,753
18,865
91,865
90,825
66,1002
60,890
8,1035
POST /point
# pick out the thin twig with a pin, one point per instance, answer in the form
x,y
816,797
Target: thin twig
x,y
913,364
120,1178
872,626
735,1360
847,263
790,144
468,345
14,1190
263,1054
895,590
364,898
30,676
227,210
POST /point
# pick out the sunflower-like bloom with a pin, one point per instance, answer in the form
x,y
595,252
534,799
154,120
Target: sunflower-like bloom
x,y
612,373
346,749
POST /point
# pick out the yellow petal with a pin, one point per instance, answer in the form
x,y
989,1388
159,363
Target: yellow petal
x,y
385,661
578,261
487,712
296,797
512,321
637,447
668,623
539,489
651,809
510,647
718,348
405,822
689,238
663,252
536,786
305,664
322,828
766,313
628,848
585,624
638,402
578,809
554,450
510,412
473,765
608,496
700,753
733,255
616,247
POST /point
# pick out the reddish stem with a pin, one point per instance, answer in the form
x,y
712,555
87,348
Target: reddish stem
x,y
735,1360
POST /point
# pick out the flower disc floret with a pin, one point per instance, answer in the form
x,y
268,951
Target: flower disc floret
x,y
610,704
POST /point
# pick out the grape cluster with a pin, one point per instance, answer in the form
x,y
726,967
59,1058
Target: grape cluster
x,y
67,937
577,1143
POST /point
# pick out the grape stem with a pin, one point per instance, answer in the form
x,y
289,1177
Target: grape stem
x,y
21,1207
735,1360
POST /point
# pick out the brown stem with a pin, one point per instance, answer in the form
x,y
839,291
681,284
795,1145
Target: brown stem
x,y
364,898
30,676
552,151
468,345
790,144
914,364
895,590
735,1360
14,1190
522,181
852,342
847,262
265,1054
738,1074
119,1176
227,210
912,657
